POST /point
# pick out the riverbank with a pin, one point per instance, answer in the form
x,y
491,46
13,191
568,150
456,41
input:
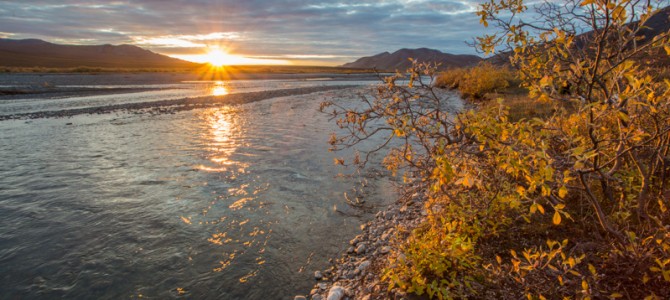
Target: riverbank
x,y
357,273
171,106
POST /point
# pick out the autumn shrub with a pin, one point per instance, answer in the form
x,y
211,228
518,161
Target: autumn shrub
x,y
570,204
450,79
477,81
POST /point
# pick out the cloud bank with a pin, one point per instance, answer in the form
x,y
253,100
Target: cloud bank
x,y
298,30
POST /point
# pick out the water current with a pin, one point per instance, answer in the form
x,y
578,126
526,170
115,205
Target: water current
x,y
234,202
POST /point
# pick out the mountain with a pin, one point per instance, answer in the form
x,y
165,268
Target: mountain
x,y
657,24
38,53
399,60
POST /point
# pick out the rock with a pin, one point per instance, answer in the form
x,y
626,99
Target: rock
x,y
366,297
360,249
335,293
386,235
318,275
313,291
317,297
322,285
299,298
385,249
350,250
364,265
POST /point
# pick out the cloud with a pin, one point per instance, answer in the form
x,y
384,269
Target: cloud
x,y
317,30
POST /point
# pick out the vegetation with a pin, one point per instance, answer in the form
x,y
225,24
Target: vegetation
x,y
572,203
477,81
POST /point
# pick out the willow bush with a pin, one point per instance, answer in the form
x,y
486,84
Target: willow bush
x,y
574,204
477,81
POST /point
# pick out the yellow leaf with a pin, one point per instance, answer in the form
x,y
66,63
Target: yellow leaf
x,y
468,181
562,192
557,218
585,285
667,49
616,295
540,208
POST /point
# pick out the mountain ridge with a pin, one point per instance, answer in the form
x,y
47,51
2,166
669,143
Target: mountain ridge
x,y
399,60
40,53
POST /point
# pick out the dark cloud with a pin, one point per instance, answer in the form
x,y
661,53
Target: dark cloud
x,y
332,32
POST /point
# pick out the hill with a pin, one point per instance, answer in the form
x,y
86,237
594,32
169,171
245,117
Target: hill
x,y
399,60
39,53
657,24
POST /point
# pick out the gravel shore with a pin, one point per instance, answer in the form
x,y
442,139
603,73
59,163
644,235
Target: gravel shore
x,y
357,273
171,106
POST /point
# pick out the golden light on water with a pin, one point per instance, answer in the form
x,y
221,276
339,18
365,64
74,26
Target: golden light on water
x,y
219,89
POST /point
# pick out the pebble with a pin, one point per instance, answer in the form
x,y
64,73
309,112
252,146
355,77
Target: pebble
x,y
335,293
322,285
385,249
350,250
318,275
299,298
364,265
317,297
360,249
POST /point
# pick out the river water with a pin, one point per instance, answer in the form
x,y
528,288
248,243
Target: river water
x,y
234,202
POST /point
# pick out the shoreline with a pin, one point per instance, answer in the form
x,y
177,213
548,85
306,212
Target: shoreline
x,y
356,273
172,106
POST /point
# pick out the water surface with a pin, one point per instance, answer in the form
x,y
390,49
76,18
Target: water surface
x,y
235,202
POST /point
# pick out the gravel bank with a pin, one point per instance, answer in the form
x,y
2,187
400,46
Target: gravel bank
x,y
171,106
357,273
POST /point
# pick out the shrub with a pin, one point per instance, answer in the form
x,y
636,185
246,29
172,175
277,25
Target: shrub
x,y
477,81
501,193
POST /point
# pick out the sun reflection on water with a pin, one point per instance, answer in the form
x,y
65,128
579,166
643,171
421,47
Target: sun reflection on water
x,y
219,89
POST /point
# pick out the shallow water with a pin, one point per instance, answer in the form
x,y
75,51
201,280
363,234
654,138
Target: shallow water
x,y
238,202
60,97
228,203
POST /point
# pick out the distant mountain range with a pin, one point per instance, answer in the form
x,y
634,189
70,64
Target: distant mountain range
x,y
38,53
399,60
657,24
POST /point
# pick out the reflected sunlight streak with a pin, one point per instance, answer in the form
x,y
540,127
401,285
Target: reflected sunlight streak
x,y
219,89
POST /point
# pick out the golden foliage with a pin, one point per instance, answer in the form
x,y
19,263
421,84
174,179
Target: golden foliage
x,y
501,192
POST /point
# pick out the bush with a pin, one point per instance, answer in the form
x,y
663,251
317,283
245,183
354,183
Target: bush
x,y
477,81
502,193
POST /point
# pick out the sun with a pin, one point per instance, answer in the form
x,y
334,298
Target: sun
x,y
218,58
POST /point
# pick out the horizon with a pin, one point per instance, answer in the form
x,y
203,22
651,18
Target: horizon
x,y
290,32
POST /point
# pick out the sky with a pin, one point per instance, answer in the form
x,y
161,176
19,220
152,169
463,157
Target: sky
x,y
283,31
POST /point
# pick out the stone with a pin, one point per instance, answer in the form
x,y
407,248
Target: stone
x,y
317,297
385,249
350,250
322,285
360,249
335,293
366,297
299,298
364,265
313,291
318,275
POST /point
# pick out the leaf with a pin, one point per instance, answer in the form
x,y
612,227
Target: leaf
x,y
562,192
585,285
557,218
667,49
468,181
